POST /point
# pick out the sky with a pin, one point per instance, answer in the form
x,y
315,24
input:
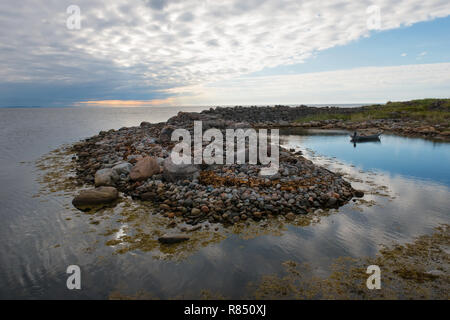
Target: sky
x,y
217,52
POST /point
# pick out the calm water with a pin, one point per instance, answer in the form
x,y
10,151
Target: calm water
x,y
408,180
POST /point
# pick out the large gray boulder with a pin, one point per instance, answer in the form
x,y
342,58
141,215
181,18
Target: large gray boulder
x,y
94,197
106,177
123,168
173,172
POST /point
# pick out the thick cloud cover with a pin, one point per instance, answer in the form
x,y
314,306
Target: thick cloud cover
x,y
143,49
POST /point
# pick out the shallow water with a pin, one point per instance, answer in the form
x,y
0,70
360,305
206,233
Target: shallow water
x,y
407,185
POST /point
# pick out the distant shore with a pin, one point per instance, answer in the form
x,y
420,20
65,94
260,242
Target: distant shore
x,y
427,118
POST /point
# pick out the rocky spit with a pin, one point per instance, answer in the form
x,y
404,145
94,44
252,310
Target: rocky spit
x,y
285,116
136,161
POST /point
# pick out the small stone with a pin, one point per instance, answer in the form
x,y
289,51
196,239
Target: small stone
x,y
171,215
164,206
257,214
148,196
290,216
358,193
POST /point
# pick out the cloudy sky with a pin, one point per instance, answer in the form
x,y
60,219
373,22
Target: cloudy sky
x,y
222,52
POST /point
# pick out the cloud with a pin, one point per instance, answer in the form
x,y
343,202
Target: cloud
x,y
142,48
366,84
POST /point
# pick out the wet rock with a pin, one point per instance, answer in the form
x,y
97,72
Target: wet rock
x,y
175,238
97,196
331,202
144,169
358,193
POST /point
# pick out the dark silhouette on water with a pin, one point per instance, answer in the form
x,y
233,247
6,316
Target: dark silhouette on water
x,y
355,138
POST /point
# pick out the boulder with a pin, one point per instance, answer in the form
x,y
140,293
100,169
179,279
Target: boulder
x,y
175,172
123,168
97,196
166,134
144,169
106,177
